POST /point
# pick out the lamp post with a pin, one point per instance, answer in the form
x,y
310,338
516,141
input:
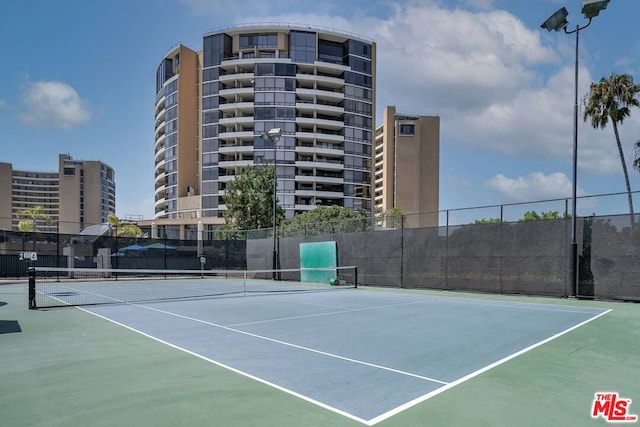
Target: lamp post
x,y
556,22
273,136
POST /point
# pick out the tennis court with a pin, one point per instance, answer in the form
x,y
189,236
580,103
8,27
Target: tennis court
x,y
364,355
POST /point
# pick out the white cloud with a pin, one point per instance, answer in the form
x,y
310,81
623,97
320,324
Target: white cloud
x,y
535,186
455,59
481,72
53,104
538,187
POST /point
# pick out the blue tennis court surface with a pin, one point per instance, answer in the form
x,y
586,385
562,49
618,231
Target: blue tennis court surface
x,y
364,354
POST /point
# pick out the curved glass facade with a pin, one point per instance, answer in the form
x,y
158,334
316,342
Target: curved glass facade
x,y
317,86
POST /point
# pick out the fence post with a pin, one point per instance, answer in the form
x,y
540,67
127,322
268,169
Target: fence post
x,y
32,288
165,249
402,251
446,254
58,243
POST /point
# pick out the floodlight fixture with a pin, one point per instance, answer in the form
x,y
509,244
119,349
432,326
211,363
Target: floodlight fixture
x,y
557,21
591,8
274,133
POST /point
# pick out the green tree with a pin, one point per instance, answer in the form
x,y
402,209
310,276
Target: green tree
x,y
487,221
611,99
391,218
32,216
543,216
326,220
125,229
249,200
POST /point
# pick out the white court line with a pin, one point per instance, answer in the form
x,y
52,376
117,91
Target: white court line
x,y
445,385
501,304
474,374
237,371
296,346
504,304
341,311
522,305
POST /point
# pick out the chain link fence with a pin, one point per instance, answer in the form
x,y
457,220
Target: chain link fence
x,y
483,249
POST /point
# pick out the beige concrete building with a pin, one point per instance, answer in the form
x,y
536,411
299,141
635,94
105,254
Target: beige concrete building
x,y
212,106
79,194
407,166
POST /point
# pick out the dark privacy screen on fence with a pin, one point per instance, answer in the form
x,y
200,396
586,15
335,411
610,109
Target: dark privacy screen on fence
x,y
83,251
530,257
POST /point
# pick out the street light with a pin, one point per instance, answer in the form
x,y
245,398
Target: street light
x,y
556,22
273,136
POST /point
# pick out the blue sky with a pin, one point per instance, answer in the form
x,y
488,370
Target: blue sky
x,y
78,77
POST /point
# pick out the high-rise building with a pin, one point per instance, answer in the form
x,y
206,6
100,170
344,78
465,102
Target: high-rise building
x,y
407,167
213,105
79,194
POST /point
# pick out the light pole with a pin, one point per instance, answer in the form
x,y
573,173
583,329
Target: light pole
x,y
556,22
273,136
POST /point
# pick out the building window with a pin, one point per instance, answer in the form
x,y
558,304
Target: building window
x,y
69,171
288,70
215,49
329,51
302,46
358,79
406,130
248,41
359,48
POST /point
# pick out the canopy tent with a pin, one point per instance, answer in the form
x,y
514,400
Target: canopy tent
x,y
133,248
160,246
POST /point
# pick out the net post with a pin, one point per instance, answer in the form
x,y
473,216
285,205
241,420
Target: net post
x,y
32,288
244,283
355,278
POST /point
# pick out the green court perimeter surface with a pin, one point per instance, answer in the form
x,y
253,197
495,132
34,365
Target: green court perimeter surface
x,y
65,367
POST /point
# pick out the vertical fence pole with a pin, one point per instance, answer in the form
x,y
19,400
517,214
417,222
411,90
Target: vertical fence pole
x,y
402,251
165,250
117,254
502,252
58,249
32,288
446,254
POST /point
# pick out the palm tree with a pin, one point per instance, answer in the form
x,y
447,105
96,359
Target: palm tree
x,y
29,224
33,215
125,229
611,99
636,156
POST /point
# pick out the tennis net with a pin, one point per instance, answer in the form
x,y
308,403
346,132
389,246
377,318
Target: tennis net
x,y
54,287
